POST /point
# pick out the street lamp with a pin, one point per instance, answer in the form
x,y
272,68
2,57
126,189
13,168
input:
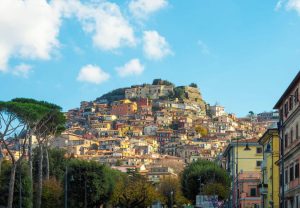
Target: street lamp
x,y
247,148
171,194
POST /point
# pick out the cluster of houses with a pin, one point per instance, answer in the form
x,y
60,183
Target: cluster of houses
x,y
265,170
154,135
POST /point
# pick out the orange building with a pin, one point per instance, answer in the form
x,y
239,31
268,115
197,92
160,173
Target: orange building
x,y
123,107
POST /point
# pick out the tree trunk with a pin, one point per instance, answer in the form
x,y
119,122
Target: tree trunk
x,y
40,178
47,163
1,159
30,160
0,165
30,167
11,186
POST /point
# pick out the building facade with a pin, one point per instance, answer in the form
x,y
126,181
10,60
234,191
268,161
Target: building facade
x,y
270,170
243,159
123,108
289,111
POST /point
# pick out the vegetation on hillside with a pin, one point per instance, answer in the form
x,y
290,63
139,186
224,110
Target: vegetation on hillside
x,y
117,94
162,82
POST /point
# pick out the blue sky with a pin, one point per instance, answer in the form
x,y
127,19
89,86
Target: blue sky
x,y
242,54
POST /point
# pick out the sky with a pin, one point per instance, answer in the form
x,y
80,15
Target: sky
x,y
241,54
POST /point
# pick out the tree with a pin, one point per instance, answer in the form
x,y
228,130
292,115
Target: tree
x,y
17,119
52,193
170,189
201,130
22,190
89,183
206,176
162,82
94,146
134,192
193,85
179,92
51,123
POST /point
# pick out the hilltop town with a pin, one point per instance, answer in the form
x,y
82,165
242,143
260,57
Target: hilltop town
x,y
155,129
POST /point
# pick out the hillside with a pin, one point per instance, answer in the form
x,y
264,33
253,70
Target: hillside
x,y
187,94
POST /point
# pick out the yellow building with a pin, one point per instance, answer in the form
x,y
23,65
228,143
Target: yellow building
x,y
270,171
243,159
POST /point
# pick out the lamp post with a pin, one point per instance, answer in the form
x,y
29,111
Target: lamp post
x,y
66,179
171,195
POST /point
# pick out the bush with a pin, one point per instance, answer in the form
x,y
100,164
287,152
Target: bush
x,y
52,195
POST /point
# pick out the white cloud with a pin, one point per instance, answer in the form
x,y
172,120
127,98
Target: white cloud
x,y
92,74
143,8
155,46
293,5
22,70
289,5
203,47
104,20
28,29
133,67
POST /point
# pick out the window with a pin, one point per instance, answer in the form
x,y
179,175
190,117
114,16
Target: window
x,y
297,170
292,173
258,163
258,150
253,192
297,131
291,103
292,136
286,176
281,113
296,96
286,140
286,109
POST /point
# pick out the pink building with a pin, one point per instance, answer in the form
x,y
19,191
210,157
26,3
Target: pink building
x,y
249,195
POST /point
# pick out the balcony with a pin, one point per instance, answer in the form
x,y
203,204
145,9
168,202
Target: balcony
x,y
263,188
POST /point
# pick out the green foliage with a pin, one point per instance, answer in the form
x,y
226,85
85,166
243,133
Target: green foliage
x,y
201,130
48,115
179,92
96,180
118,163
25,184
57,163
52,195
193,85
173,185
214,179
117,94
162,82
134,192
28,113
32,101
